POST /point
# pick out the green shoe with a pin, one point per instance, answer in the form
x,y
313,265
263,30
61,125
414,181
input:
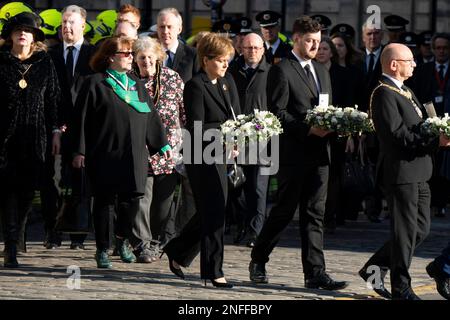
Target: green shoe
x,y
126,255
101,256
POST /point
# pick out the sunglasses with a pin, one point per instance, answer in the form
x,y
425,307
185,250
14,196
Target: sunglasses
x,y
124,54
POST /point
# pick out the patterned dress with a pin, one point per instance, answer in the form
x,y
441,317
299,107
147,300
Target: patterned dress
x,y
171,110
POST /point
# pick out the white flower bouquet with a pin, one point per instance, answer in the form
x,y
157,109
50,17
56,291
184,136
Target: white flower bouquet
x,y
258,126
434,126
345,121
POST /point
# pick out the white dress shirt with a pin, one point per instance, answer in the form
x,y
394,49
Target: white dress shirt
x,y
76,51
303,63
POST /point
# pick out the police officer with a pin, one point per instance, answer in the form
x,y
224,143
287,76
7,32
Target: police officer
x,y
395,26
275,48
409,39
244,25
344,29
424,43
51,22
324,22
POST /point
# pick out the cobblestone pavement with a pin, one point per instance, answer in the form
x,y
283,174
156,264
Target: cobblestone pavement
x,y
43,273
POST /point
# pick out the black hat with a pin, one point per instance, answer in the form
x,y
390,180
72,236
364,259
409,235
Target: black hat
x,y
395,23
226,26
425,38
409,39
24,19
245,25
324,21
345,29
268,18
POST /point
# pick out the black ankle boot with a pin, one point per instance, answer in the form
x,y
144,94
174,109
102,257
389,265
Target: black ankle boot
x,y
10,259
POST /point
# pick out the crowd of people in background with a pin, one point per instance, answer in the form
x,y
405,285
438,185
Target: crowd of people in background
x,y
105,102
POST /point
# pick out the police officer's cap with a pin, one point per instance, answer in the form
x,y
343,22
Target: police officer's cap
x,y
344,29
324,21
425,38
245,25
268,18
409,39
226,26
395,23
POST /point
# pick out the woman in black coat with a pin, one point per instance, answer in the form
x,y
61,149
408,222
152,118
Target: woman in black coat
x,y
116,122
29,92
208,99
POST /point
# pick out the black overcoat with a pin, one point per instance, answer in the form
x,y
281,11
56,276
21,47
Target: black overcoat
x,y
113,137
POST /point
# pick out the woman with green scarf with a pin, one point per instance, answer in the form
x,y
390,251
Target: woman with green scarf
x,y
117,127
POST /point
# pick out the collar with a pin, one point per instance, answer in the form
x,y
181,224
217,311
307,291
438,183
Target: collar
x,y
273,46
302,62
376,52
77,45
445,64
398,83
174,47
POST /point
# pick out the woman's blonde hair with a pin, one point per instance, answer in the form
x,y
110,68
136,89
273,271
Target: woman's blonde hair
x,y
214,45
147,43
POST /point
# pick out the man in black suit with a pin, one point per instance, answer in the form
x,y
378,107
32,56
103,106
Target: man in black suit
x,y
404,167
276,50
71,59
370,67
250,72
431,83
293,88
180,57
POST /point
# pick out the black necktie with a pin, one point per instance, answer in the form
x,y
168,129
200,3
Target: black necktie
x,y
441,72
269,55
310,76
371,63
169,59
69,64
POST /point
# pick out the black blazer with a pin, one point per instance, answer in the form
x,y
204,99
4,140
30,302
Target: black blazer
x,y
290,96
82,69
369,81
282,52
203,102
405,155
426,87
252,94
185,62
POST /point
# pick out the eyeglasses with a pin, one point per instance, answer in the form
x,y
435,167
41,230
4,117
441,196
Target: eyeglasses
x,y
125,54
253,48
411,61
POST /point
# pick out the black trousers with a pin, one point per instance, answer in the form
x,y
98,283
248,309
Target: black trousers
x,y
304,186
106,206
409,205
252,200
204,232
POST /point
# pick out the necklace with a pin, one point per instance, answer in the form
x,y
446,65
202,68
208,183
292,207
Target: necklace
x,y
124,87
23,83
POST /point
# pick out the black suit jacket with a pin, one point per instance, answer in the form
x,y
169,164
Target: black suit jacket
x,y
425,85
290,96
370,81
282,52
185,62
405,155
82,69
252,94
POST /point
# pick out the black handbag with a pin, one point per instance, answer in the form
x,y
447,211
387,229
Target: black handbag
x,y
236,177
358,177
75,216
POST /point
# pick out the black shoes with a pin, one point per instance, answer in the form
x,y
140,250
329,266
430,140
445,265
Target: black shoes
x,y
442,282
257,272
251,242
10,258
222,285
178,272
380,289
406,295
240,236
325,282
77,246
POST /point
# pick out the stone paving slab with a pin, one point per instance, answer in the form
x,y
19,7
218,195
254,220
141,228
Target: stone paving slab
x,y
43,273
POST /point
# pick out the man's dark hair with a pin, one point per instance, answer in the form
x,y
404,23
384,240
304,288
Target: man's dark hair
x,y
305,24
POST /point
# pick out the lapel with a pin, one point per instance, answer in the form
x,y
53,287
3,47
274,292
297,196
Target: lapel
x,y
82,57
392,84
178,56
297,66
214,93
